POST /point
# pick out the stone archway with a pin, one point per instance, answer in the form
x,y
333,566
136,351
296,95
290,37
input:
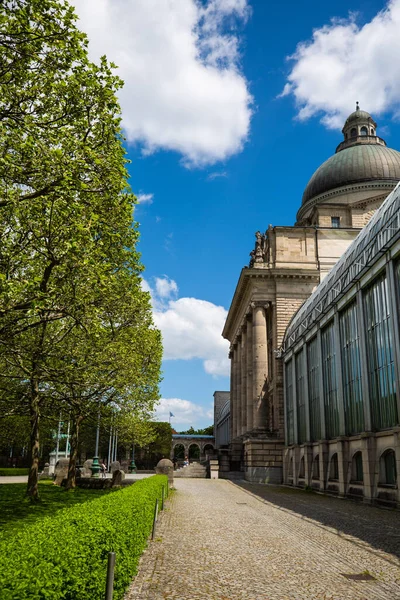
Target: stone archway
x,y
194,452
208,449
179,452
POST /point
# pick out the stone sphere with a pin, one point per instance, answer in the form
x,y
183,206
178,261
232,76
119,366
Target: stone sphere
x,y
165,462
166,467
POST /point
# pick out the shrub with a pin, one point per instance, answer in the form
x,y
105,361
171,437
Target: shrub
x,y
64,557
11,472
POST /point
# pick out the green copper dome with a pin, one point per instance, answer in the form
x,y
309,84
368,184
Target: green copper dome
x,y
358,115
355,164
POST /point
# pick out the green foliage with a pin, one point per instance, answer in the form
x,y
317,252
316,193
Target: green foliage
x,y
64,557
206,431
13,472
17,512
76,329
161,446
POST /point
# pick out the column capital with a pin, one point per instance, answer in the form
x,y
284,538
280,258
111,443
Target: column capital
x,y
260,304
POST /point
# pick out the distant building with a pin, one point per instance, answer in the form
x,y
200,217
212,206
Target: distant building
x,y
273,440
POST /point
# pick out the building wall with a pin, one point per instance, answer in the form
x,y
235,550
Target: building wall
x,y
343,373
267,296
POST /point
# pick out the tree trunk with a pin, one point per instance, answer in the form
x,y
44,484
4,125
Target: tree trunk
x,y
71,478
32,489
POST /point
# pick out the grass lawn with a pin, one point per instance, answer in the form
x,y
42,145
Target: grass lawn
x,y
16,511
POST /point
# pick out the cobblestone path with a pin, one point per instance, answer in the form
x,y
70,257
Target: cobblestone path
x,y
223,541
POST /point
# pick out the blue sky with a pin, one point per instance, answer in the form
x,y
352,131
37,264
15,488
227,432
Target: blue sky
x,y
224,132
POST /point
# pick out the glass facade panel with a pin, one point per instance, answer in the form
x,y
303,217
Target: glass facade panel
x,y
351,370
313,390
330,381
300,398
289,402
380,355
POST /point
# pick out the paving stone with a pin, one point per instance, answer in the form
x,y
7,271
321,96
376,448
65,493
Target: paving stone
x,y
220,540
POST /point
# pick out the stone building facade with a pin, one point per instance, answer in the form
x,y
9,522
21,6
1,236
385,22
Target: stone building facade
x,y
341,356
286,265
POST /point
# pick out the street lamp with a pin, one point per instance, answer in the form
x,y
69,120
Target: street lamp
x,y
132,466
95,464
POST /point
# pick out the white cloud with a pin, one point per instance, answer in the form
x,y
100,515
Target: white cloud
x,y
184,411
191,328
217,174
345,62
184,90
165,287
144,198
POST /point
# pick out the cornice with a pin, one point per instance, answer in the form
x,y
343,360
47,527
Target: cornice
x,y
367,185
247,275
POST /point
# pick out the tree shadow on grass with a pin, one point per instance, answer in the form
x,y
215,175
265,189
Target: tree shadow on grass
x,y
16,509
377,527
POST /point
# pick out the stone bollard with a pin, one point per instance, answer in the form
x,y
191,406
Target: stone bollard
x,y
166,467
214,469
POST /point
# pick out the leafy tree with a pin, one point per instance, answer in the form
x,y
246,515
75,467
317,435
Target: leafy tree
x,y
205,431
75,327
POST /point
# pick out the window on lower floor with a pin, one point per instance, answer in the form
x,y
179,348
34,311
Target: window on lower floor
x,y
357,473
387,468
302,470
334,467
315,467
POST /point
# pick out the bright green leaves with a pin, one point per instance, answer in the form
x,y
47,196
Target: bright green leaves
x,y
74,323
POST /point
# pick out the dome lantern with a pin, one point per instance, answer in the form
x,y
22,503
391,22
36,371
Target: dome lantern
x,y
359,128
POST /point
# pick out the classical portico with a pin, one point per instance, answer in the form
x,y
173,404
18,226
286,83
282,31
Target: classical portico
x,y
266,296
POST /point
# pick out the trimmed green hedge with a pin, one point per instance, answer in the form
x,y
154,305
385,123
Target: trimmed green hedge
x,y
13,471
64,557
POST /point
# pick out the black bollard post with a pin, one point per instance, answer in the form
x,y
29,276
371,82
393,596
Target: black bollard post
x,y
110,576
155,520
162,497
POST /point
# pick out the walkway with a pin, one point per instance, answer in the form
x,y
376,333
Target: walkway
x,y
223,541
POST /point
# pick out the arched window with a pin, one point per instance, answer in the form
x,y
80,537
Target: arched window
x,y
364,131
302,470
357,467
372,131
290,474
387,468
315,467
353,132
334,467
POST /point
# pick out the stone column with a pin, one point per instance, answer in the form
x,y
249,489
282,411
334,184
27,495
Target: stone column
x,y
260,365
235,390
238,388
249,378
232,393
243,371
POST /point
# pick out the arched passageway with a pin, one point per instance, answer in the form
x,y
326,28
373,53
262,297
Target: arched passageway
x,y
194,452
179,452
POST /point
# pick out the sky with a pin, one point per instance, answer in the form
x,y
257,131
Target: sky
x,y
228,108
